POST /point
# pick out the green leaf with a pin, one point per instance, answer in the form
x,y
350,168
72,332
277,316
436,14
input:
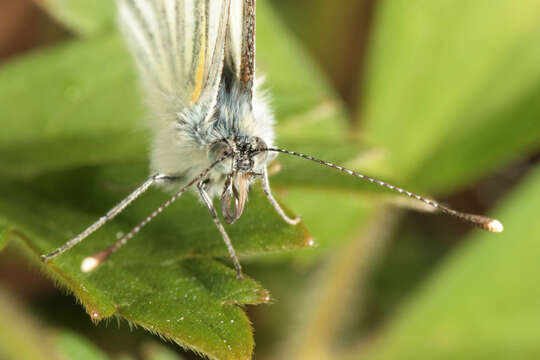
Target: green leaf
x,y
452,88
86,18
72,119
483,301
73,346
162,280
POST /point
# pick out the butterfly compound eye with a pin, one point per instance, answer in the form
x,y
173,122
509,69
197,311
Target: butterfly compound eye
x,y
259,144
218,151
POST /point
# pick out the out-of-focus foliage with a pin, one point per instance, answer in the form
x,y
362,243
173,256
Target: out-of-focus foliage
x,y
452,88
85,18
446,94
21,336
73,346
483,302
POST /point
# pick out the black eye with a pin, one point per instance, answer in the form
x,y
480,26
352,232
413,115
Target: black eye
x,y
219,150
258,144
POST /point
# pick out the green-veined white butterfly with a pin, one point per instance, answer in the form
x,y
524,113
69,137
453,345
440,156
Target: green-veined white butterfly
x,y
212,128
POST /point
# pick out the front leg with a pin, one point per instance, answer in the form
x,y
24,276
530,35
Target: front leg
x,y
279,210
204,195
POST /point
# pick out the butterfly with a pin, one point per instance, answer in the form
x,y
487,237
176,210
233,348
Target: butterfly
x,y
212,126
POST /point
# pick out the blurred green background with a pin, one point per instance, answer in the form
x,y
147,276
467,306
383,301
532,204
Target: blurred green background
x,y
441,97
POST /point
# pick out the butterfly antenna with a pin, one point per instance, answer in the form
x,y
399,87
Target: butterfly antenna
x,y
104,219
90,263
483,222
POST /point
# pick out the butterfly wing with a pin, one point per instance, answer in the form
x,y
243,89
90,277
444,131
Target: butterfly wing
x,y
182,48
179,48
240,52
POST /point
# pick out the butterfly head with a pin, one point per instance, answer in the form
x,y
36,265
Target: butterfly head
x,y
245,155
246,161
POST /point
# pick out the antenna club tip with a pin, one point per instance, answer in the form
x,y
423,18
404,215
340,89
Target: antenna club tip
x,y
89,263
495,226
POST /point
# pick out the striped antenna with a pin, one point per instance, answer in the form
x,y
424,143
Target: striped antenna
x,y
482,222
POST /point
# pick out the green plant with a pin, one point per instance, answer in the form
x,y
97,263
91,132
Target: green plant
x,y
451,95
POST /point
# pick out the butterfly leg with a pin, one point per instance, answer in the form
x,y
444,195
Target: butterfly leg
x,y
201,186
279,210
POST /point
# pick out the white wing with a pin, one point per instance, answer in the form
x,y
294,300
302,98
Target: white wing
x,y
240,51
179,49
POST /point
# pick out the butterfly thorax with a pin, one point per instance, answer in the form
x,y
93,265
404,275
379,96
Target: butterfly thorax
x,y
236,122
